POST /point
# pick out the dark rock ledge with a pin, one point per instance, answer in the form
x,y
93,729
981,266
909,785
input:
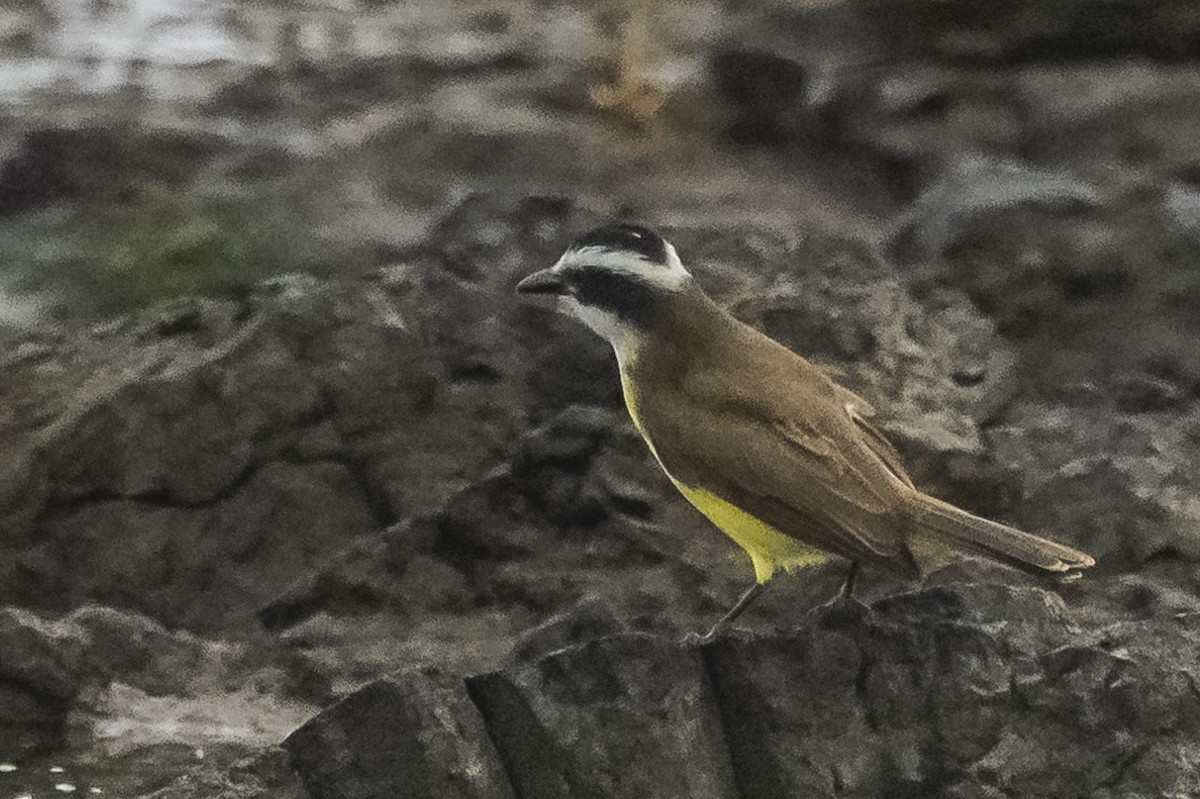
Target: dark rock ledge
x,y
977,690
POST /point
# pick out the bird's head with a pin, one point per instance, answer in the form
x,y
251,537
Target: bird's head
x,y
614,279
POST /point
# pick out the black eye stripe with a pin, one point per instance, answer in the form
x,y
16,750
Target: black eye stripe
x,y
629,297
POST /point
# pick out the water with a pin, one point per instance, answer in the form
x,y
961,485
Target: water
x,y
37,779
130,743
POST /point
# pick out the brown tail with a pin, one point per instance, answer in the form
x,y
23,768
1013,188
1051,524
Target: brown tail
x,y
947,524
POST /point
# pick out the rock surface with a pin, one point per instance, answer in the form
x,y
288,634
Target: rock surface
x,y
413,735
974,690
619,717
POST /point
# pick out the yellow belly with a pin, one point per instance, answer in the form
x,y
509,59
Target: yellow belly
x,y
768,548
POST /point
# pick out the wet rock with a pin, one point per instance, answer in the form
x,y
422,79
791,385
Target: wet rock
x,y
262,776
138,685
39,679
135,652
628,716
1016,33
414,734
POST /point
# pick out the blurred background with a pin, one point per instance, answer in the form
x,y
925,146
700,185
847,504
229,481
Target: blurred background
x,y
153,149
156,148
275,425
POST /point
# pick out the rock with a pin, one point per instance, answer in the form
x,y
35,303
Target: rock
x,y
431,583
158,557
763,89
557,481
120,647
970,690
39,680
942,217
415,535
491,519
137,651
214,453
1034,614
586,621
1091,439
570,437
985,216
553,462
142,691
365,581
415,734
619,717
262,776
973,690
1129,502
53,164
892,699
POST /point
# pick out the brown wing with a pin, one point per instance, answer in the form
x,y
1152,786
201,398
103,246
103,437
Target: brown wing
x,y
859,410
775,437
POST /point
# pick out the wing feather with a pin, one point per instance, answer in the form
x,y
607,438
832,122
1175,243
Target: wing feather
x,y
771,433
788,474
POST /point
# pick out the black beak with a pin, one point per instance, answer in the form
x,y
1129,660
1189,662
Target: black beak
x,y
546,281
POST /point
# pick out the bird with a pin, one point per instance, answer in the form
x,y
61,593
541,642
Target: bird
x,y
766,444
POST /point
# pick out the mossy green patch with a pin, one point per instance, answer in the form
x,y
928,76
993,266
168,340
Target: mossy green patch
x,y
170,244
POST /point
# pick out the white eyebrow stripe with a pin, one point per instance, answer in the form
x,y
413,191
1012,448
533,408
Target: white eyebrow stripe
x,y
594,251
671,275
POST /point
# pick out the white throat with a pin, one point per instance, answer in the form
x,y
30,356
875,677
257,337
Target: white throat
x,y
623,337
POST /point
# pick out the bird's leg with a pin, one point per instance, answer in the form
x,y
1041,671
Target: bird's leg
x,y
851,578
733,613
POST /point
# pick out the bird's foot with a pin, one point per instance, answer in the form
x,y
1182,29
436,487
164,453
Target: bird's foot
x,y
851,580
698,640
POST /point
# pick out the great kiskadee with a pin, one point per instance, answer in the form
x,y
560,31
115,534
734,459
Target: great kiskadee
x,y
764,443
